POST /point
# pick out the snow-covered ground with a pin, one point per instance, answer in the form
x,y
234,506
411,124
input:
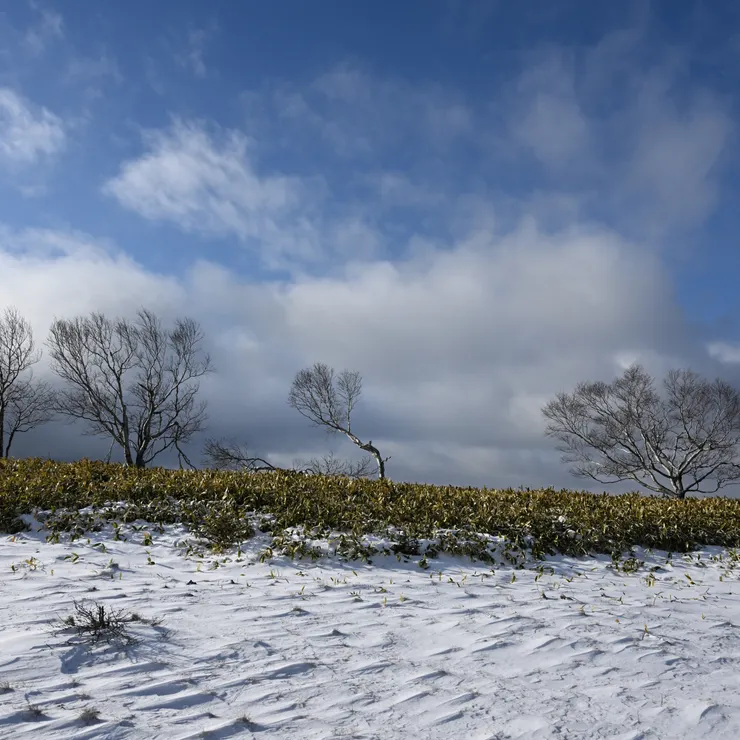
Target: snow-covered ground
x,y
328,649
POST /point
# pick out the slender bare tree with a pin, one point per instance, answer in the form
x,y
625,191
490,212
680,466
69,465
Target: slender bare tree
x,y
25,403
134,382
685,441
327,403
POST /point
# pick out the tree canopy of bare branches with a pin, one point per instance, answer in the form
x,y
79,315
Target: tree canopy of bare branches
x,y
328,401
134,382
25,403
683,442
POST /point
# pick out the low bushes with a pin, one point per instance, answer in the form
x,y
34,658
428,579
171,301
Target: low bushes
x,y
218,505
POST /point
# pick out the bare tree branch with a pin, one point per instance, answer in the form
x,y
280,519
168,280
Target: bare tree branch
x,y
330,465
684,442
227,454
24,403
315,395
132,381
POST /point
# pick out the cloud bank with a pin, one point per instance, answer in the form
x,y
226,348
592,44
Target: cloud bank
x,y
471,256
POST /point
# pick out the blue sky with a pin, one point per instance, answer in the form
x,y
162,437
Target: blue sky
x,y
475,204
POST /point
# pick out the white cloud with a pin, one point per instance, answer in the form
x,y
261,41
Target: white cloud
x,y
358,114
209,184
91,71
626,128
27,133
458,349
725,352
617,129
397,190
546,116
192,57
43,49
462,330
675,154
50,273
38,37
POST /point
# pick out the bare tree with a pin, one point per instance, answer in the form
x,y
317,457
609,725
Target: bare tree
x,y
315,395
25,403
228,454
683,442
330,465
132,381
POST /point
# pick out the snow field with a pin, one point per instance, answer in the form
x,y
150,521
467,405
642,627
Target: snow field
x,y
328,649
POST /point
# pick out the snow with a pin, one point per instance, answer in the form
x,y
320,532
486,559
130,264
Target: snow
x,y
330,649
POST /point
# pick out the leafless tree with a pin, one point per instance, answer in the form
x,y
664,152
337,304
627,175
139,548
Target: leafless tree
x,y
327,403
25,403
331,465
685,441
228,454
134,382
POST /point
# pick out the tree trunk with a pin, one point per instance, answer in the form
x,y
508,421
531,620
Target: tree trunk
x,y
9,443
3,450
127,456
381,466
369,447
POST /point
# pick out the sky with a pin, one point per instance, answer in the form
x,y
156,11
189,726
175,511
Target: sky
x,y
475,204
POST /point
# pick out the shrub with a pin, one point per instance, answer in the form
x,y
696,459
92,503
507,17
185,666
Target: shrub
x,y
218,506
97,622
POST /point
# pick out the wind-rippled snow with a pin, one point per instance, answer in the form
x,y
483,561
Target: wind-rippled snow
x,y
328,649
